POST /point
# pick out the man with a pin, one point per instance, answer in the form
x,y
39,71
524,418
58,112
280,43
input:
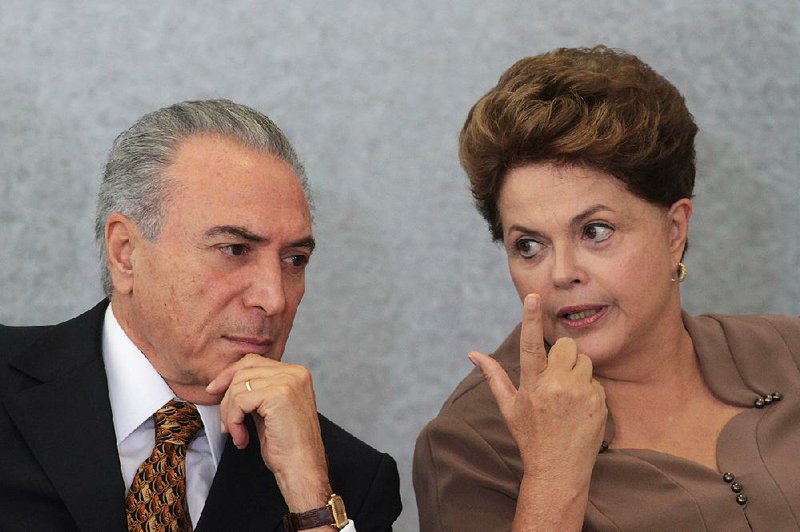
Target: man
x,y
204,231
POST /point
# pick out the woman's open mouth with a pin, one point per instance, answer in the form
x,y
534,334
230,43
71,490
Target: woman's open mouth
x,y
579,317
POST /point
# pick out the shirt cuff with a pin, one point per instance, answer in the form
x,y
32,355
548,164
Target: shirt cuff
x,y
349,527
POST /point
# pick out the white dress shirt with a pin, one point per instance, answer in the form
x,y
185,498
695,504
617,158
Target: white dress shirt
x,y
136,392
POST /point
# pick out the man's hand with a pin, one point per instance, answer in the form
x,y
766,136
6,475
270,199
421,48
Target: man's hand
x,y
557,418
281,400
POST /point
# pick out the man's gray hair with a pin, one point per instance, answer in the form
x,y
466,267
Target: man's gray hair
x,y
134,181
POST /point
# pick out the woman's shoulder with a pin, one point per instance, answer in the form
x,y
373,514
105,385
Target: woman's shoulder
x,y
747,353
474,388
466,464
755,330
471,410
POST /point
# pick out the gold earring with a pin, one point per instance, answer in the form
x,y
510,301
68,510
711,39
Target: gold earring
x,y
681,271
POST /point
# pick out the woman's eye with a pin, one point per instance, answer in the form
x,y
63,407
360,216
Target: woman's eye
x,y
528,248
234,250
597,232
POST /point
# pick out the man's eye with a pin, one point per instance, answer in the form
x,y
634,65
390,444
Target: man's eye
x,y
235,250
597,232
528,247
297,261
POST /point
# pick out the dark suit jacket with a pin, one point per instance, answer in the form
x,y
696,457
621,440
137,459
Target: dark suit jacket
x,y
60,467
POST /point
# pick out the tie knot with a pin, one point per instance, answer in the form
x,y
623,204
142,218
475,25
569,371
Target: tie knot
x,y
177,422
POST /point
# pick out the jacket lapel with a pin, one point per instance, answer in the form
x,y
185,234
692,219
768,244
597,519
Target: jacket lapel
x,y
244,495
65,417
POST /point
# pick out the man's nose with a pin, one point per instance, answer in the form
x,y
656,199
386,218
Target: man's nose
x,y
266,288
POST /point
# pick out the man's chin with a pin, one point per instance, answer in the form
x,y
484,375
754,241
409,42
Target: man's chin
x,y
208,399
192,387
196,393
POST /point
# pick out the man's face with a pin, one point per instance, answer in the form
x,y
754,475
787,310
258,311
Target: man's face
x,y
227,273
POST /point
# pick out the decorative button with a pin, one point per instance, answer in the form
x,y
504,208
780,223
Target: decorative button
x,y
728,477
736,487
741,499
776,396
768,398
759,403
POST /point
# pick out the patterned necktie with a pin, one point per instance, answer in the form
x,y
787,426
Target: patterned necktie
x,y
157,499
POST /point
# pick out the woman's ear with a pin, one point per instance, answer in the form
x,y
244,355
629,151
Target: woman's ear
x,y
678,218
121,238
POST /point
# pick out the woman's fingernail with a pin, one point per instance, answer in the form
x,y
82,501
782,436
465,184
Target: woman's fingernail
x,y
472,358
531,301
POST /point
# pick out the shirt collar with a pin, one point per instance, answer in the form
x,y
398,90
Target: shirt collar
x,y
136,390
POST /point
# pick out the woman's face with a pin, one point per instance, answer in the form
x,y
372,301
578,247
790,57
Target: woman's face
x,y
601,258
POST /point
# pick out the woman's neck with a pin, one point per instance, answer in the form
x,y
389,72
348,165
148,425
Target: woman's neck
x,y
658,378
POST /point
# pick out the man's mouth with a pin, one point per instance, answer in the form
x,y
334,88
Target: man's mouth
x,y
251,344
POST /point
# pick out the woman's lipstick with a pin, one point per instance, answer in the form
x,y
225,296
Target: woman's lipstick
x,y
581,316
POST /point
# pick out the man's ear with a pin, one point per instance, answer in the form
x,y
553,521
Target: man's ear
x,y
122,236
678,218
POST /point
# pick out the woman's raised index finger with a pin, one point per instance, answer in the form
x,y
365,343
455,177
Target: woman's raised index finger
x,y
532,355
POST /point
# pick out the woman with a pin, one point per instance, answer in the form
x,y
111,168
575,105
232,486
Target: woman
x,y
608,408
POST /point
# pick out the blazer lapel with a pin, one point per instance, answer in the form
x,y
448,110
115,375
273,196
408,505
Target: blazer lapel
x,y
244,495
65,417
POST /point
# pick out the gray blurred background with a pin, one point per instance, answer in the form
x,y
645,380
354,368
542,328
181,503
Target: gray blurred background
x,y
405,279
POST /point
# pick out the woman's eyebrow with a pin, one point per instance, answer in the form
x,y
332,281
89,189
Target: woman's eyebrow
x,y
577,220
591,211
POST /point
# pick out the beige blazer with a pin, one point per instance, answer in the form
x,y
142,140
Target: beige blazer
x,y
467,469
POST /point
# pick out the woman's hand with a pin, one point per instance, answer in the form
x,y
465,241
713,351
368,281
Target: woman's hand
x,y
557,418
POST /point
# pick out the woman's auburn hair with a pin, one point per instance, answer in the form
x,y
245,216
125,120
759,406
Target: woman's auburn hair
x,y
593,107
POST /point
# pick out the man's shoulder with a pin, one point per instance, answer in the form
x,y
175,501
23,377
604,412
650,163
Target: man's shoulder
x,y
17,345
366,478
14,339
346,449
21,336
44,350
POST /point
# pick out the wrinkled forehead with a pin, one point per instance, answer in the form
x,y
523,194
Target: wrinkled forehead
x,y
544,194
545,182
211,177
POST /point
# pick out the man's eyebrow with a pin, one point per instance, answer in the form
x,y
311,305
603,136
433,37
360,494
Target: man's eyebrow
x,y
307,242
249,236
234,230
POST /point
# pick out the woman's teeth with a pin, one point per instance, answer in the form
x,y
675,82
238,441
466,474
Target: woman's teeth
x,y
582,314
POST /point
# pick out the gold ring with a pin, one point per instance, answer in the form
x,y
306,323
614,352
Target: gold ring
x,y
247,385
